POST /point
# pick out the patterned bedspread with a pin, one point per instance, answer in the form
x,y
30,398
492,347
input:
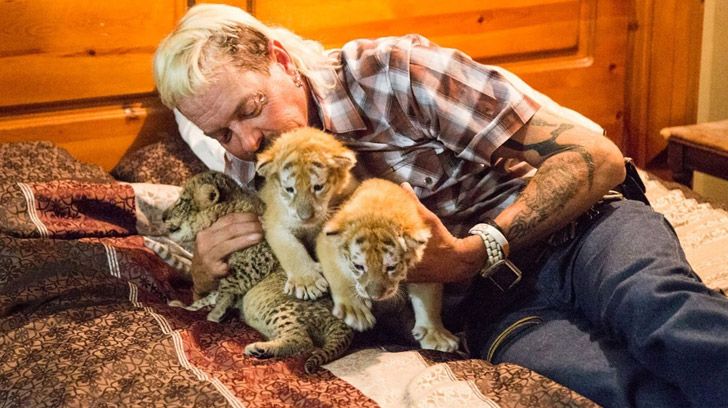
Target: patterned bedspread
x,y
84,319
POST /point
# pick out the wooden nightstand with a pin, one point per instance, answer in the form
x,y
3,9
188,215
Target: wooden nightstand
x,y
702,147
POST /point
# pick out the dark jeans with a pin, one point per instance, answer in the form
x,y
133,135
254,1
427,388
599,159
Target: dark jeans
x,y
616,314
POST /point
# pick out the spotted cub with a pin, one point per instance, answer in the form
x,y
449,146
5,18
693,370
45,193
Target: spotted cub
x,y
255,284
307,172
366,249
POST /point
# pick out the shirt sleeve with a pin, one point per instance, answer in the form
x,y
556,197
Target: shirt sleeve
x,y
469,107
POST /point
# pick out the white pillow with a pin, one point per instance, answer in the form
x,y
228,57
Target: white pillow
x,y
206,148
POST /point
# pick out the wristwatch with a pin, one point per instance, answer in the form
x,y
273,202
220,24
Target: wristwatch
x,y
498,269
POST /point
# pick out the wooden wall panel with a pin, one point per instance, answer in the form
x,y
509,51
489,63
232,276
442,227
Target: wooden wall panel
x,y
575,51
58,50
484,30
79,73
663,84
593,84
100,134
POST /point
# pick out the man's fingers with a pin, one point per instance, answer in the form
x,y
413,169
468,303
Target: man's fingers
x,y
233,221
228,229
237,243
230,233
216,256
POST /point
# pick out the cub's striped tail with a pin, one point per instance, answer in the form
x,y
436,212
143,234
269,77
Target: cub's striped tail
x,y
171,253
337,338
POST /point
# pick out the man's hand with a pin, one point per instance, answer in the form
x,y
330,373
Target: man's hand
x,y
213,245
447,258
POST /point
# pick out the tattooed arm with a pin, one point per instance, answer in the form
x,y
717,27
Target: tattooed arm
x,y
576,167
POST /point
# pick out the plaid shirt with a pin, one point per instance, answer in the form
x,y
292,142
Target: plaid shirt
x,y
430,116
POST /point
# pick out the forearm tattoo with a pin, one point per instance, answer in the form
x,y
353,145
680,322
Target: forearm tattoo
x,y
554,184
552,187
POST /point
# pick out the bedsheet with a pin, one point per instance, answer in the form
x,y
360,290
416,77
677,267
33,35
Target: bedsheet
x,y
84,319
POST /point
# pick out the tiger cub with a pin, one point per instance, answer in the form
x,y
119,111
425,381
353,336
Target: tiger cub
x,y
306,172
365,251
255,284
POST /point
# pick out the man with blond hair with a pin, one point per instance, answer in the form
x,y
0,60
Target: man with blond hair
x,y
586,286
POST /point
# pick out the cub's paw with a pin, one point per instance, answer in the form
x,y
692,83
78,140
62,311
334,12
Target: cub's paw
x,y
258,350
434,338
192,307
355,312
306,283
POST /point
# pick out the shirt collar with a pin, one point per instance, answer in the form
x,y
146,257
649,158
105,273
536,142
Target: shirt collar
x,y
241,170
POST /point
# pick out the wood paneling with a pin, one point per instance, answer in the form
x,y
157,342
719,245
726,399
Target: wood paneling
x,y
593,82
663,82
59,50
575,51
99,134
79,73
483,29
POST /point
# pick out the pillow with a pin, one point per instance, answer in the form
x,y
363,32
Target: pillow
x,y
207,149
168,161
41,161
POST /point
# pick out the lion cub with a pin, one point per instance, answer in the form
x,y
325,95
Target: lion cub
x,y
365,251
306,172
255,284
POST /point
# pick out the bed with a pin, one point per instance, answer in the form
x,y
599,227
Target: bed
x,y
84,318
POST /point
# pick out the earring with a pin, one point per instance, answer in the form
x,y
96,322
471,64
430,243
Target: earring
x,y
297,79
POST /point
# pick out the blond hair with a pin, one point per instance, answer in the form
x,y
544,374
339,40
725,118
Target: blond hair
x,y
211,35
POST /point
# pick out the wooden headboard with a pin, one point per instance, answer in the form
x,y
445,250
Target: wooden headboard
x,y
78,72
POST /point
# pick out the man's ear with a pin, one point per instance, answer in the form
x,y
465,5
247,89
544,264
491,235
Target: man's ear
x,y
280,55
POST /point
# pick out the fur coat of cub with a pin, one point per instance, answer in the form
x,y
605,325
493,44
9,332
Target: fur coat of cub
x,y
307,171
255,284
365,251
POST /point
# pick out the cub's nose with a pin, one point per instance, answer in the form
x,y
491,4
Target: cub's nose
x,y
377,291
305,214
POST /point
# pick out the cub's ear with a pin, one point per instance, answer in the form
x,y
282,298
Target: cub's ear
x,y
415,240
332,228
414,244
264,166
345,160
206,195
264,169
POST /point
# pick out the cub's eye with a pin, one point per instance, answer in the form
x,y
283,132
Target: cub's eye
x,y
391,269
318,187
359,267
290,190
